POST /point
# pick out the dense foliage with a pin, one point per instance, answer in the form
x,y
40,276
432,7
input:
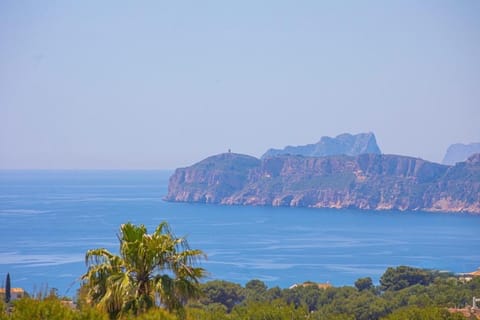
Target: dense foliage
x,y
404,276
223,300
426,313
424,294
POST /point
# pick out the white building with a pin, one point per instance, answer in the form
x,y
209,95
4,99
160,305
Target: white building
x,y
15,293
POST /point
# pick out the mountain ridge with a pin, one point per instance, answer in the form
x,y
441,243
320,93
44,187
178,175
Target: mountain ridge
x,y
366,181
345,143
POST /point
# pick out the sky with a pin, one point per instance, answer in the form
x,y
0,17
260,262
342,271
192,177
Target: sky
x,y
164,84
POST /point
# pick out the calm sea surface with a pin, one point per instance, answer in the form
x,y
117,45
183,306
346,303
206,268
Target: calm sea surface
x,y
49,219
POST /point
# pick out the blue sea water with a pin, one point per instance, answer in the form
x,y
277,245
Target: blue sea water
x,y
49,219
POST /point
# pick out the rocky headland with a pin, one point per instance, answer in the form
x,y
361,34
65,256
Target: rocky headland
x,y
365,181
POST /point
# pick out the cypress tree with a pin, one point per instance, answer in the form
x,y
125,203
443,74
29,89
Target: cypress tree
x,y
7,289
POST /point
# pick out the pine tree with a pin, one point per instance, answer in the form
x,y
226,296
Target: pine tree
x,y
7,289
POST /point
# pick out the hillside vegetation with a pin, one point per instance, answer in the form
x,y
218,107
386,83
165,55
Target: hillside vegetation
x,y
403,293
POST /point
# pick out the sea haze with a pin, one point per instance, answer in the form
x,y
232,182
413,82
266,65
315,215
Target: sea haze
x,y
49,219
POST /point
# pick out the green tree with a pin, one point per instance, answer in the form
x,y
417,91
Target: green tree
x,y
150,268
307,296
274,310
403,276
430,313
366,306
49,308
223,292
364,284
273,293
257,286
8,292
256,290
213,311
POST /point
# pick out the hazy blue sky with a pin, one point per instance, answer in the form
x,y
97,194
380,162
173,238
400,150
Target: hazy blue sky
x,y
157,84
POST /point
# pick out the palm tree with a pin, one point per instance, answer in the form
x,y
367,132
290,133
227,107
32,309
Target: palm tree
x,y
151,269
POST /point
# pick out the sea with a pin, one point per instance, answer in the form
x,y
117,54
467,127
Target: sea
x,y
49,219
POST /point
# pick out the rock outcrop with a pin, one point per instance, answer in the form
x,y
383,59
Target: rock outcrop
x,y
344,144
460,152
368,181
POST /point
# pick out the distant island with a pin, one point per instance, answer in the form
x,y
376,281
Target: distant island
x,y
347,144
366,181
460,152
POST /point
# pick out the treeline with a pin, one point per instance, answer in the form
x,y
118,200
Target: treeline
x,y
403,293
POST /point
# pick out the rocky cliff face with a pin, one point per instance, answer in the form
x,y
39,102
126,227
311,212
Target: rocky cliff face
x,y
211,180
367,181
344,144
460,152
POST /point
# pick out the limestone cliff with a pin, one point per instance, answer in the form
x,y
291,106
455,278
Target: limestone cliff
x,y
367,181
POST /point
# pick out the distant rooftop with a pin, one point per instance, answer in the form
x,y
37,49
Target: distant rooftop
x,y
309,283
475,273
12,290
